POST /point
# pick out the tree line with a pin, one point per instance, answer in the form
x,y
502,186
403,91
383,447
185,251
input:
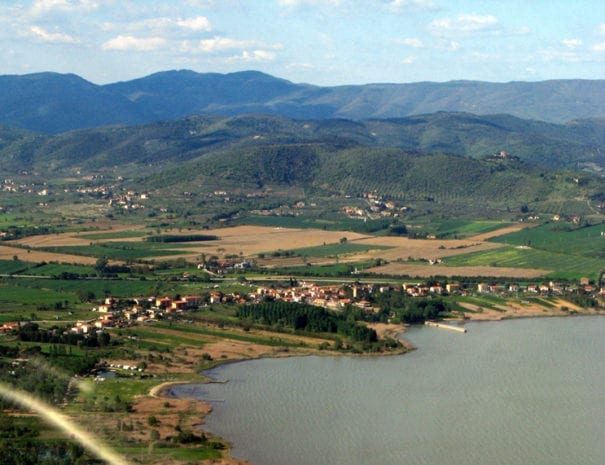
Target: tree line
x,y
307,318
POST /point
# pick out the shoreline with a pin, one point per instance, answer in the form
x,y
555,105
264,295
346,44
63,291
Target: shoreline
x,y
163,391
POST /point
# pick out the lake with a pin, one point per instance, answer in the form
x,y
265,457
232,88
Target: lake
x,y
528,391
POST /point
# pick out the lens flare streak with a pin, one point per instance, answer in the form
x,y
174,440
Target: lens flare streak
x,y
54,417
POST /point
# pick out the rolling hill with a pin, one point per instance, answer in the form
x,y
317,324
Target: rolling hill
x,y
579,144
448,162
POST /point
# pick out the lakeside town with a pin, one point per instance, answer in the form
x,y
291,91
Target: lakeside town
x,y
113,312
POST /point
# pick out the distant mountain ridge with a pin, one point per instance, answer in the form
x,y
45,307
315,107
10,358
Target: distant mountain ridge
x,y
54,103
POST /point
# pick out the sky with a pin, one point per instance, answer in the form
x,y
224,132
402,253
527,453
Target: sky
x,y
321,42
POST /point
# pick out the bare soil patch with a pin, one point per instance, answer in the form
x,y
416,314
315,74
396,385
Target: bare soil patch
x,y
501,232
515,309
7,253
77,238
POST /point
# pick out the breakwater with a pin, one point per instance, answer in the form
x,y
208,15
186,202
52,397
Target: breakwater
x,y
460,329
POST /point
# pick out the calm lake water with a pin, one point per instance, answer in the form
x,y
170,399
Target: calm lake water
x,y
512,392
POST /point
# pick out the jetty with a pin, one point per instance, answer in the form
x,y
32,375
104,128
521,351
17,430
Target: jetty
x,y
460,329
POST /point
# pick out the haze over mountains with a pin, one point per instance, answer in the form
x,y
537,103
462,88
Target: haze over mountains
x,y
53,103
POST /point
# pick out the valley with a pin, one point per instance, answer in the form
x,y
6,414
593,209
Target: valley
x,y
136,253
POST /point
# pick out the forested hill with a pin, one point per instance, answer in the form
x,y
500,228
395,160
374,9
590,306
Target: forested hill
x,y
579,144
264,160
54,103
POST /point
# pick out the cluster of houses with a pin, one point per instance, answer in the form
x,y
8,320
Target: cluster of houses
x,y
550,288
115,313
377,206
228,265
332,297
9,185
130,200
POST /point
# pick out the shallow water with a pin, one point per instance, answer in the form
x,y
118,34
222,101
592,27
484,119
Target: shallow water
x,y
512,392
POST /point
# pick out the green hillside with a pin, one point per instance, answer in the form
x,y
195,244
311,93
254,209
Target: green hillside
x,y
442,165
580,144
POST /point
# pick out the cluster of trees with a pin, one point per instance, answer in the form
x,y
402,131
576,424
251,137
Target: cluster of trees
x,y
410,309
40,383
17,232
31,332
182,238
34,452
304,317
103,268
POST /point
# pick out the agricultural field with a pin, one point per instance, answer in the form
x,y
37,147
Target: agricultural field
x,y
495,249
460,229
587,241
334,250
556,265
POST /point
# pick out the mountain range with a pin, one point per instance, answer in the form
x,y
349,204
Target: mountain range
x,y
181,136
53,103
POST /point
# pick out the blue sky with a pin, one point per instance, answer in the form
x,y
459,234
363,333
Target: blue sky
x,y
323,42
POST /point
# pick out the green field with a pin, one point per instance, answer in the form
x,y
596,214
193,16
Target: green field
x,y
332,250
327,271
29,291
55,269
561,238
334,223
460,229
124,251
558,265
14,266
15,295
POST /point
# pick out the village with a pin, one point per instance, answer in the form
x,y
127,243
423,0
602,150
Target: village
x,y
114,312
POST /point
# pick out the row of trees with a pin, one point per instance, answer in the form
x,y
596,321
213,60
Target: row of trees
x,y
304,317
31,332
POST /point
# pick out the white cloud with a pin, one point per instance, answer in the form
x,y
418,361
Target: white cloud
x,y
406,5
126,43
571,43
199,23
602,29
464,24
410,42
162,25
599,47
408,60
220,44
44,6
54,37
254,56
